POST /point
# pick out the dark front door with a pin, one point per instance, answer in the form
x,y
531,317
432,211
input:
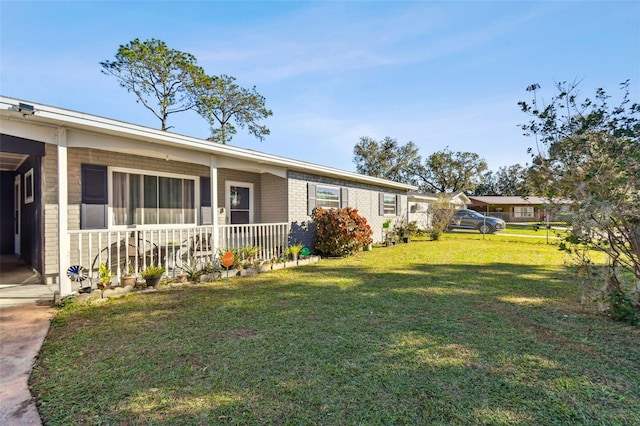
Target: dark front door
x,y
239,203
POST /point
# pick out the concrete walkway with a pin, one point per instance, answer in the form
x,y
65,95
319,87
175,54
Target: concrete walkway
x,y
22,332
25,316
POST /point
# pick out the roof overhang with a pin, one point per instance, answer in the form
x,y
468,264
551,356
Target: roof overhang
x,y
422,197
45,118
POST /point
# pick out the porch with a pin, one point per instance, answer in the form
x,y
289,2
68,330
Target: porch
x,y
21,285
131,251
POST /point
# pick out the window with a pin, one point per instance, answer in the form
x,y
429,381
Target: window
x,y
389,204
145,199
328,197
28,187
523,212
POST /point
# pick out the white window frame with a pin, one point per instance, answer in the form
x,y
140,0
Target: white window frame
x,y
28,187
110,194
333,187
524,211
227,202
384,204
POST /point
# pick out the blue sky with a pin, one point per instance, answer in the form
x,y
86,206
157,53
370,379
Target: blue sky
x,y
440,74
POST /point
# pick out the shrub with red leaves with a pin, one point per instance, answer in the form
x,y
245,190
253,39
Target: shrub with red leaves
x,y
340,232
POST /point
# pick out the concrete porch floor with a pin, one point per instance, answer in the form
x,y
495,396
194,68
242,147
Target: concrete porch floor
x,y
20,285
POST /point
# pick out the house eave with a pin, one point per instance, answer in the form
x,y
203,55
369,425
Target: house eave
x,y
50,116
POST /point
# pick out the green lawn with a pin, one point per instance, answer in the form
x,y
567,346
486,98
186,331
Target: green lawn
x,y
460,331
516,229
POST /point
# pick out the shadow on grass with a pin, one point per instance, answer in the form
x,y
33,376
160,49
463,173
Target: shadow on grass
x,y
346,344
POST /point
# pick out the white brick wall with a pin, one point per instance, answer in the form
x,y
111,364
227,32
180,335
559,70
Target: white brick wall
x,y
361,196
275,199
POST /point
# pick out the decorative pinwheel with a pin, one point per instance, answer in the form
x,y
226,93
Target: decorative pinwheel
x,y
77,273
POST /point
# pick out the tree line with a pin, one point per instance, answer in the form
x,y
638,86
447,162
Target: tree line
x,y
443,171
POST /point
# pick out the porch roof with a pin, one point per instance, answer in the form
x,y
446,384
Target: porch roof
x,y
53,117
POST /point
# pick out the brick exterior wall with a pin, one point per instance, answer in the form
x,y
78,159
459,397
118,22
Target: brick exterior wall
x,y
274,199
79,156
362,196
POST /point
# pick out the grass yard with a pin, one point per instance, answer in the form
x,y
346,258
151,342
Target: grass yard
x,y
459,331
538,229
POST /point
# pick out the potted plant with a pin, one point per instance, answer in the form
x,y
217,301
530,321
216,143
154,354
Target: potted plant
x,y
405,231
293,251
152,275
386,223
105,276
128,278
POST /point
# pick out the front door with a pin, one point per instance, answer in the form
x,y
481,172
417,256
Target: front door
x,y
239,202
16,214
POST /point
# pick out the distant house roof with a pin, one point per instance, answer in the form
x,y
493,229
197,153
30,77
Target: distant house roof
x,y
430,196
512,200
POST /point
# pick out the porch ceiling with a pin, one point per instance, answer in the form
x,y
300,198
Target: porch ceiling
x,y
9,162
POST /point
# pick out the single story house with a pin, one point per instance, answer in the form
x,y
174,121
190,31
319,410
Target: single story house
x,y
419,205
517,209
79,190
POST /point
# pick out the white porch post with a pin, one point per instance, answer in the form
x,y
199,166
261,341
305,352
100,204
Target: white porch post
x,y
64,250
214,203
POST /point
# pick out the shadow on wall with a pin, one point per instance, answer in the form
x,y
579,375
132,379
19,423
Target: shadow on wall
x,y
304,233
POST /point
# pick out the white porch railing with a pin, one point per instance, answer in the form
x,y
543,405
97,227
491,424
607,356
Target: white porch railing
x,y
270,238
134,250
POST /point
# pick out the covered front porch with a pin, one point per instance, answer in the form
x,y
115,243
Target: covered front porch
x,y
133,207
94,190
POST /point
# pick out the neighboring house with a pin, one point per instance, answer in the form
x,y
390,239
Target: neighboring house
x,y
517,209
79,189
419,204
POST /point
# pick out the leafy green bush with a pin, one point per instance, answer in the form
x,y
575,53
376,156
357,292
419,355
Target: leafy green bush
x,y
340,232
623,307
